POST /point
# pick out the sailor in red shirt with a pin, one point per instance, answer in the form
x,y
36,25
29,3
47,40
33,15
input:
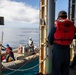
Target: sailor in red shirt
x,y
9,53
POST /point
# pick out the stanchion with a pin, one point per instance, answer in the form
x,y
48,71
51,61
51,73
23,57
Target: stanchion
x,y
0,60
1,23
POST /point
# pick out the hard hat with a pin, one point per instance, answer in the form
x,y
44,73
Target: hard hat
x,y
30,37
7,45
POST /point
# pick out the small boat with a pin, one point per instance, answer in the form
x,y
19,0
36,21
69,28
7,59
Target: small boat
x,y
20,59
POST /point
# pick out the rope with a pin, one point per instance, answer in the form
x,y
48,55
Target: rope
x,y
14,70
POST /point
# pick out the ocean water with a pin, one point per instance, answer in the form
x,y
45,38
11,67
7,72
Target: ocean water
x,y
20,36
17,36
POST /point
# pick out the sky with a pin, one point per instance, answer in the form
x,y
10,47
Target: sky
x,y
25,13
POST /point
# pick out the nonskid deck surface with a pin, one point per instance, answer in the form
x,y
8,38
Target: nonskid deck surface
x,y
72,71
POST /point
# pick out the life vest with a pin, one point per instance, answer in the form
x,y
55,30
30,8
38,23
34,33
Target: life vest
x,y
8,50
65,31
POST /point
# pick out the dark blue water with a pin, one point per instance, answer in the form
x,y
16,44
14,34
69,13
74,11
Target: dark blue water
x,y
33,71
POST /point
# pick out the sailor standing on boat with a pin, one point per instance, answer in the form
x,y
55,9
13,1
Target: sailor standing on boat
x,y
9,53
31,44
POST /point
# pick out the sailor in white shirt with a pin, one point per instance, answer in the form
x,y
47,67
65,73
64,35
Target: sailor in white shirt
x,y
30,43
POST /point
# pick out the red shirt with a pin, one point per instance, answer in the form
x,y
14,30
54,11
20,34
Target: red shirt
x,y
8,50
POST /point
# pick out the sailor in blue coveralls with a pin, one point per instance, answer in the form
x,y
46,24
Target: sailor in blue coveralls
x,y
60,53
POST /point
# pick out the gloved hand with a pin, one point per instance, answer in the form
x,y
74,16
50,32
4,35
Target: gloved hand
x,y
47,43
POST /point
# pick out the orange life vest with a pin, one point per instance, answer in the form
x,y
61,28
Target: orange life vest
x,y
65,31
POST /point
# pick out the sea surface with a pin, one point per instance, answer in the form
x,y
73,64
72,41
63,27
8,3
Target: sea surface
x,y
20,36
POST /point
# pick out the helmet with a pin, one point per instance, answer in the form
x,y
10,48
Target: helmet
x,y
7,45
62,14
30,37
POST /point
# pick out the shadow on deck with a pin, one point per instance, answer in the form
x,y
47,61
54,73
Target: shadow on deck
x,y
72,71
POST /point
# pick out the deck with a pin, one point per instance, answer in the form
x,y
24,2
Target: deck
x,y
72,71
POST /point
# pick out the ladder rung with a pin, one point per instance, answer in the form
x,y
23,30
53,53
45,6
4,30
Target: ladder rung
x,y
43,5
